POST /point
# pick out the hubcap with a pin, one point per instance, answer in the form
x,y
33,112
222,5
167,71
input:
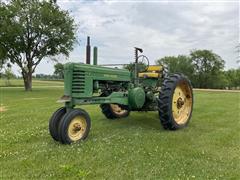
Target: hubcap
x,y
182,103
117,109
77,128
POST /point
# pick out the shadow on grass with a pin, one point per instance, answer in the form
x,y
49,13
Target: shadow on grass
x,y
143,120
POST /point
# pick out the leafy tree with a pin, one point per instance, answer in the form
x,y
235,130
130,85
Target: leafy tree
x,y
8,74
203,67
131,67
3,59
179,64
208,69
233,77
59,70
1,66
2,62
31,30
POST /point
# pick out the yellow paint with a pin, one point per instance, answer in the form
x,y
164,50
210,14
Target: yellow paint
x,y
152,72
77,128
182,103
149,75
117,109
155,68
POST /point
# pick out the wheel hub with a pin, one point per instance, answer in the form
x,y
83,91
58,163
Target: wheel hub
x,y
180,103
77,128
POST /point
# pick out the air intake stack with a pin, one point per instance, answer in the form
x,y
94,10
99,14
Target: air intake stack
x,y
95,55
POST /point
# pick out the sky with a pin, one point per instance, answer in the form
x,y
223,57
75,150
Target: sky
x,y
161,28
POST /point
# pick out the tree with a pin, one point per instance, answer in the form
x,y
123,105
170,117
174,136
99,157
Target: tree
x,y
179,64
59,70
8,74
233,77
2,60
32,30
131,66
208,69
1,67
1,63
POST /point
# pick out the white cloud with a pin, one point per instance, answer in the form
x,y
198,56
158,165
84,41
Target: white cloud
x,y
160,28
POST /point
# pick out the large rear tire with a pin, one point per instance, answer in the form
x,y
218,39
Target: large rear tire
x,y
175,102
74,126
54,122
114,111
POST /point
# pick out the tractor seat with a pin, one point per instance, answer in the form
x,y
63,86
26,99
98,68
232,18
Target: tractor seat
x,y
152,72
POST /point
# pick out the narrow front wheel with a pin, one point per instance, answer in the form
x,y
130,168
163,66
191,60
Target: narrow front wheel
x,y
74,126
54,122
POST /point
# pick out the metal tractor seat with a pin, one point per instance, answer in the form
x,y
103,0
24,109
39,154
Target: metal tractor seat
x,y
152,72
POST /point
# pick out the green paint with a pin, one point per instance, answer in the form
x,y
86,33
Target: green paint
x,y
95,55
81,81
136,97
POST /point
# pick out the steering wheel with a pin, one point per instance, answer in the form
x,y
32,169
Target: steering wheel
x,y
143,63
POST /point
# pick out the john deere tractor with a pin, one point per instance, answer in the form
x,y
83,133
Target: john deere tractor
x,y
143,87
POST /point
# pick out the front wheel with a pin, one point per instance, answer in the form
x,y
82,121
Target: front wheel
x,y
54,122
175,102
74,126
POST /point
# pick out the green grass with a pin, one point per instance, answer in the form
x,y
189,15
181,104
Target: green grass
x,y
133,148
35,82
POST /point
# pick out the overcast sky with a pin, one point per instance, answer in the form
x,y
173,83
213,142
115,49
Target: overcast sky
x,y
160,28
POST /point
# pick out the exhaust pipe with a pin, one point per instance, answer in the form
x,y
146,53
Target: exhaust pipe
x,y
88,51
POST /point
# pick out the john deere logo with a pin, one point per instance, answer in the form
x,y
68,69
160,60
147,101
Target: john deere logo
x,y
109,75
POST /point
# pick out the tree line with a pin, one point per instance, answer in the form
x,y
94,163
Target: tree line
x,y
204,68
32,30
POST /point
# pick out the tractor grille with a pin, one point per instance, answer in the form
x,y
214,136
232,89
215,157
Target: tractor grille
x,y
78,81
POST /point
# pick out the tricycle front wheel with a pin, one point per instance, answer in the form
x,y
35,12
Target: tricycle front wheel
x,y
54,122
74,126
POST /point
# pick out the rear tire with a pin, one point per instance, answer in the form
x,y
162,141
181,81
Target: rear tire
x,y
114,111
54,122
74,126
175,102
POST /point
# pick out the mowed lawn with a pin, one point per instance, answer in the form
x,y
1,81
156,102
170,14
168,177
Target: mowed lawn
x,y
36,83
132,148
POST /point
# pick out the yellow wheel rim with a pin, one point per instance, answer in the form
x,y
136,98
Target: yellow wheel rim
x,y
77,128
182,103
117,109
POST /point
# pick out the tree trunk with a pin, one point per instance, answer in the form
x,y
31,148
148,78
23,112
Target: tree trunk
x,y
27,78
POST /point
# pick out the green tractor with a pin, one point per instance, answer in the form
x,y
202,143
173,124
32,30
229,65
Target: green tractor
x,y
118,92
